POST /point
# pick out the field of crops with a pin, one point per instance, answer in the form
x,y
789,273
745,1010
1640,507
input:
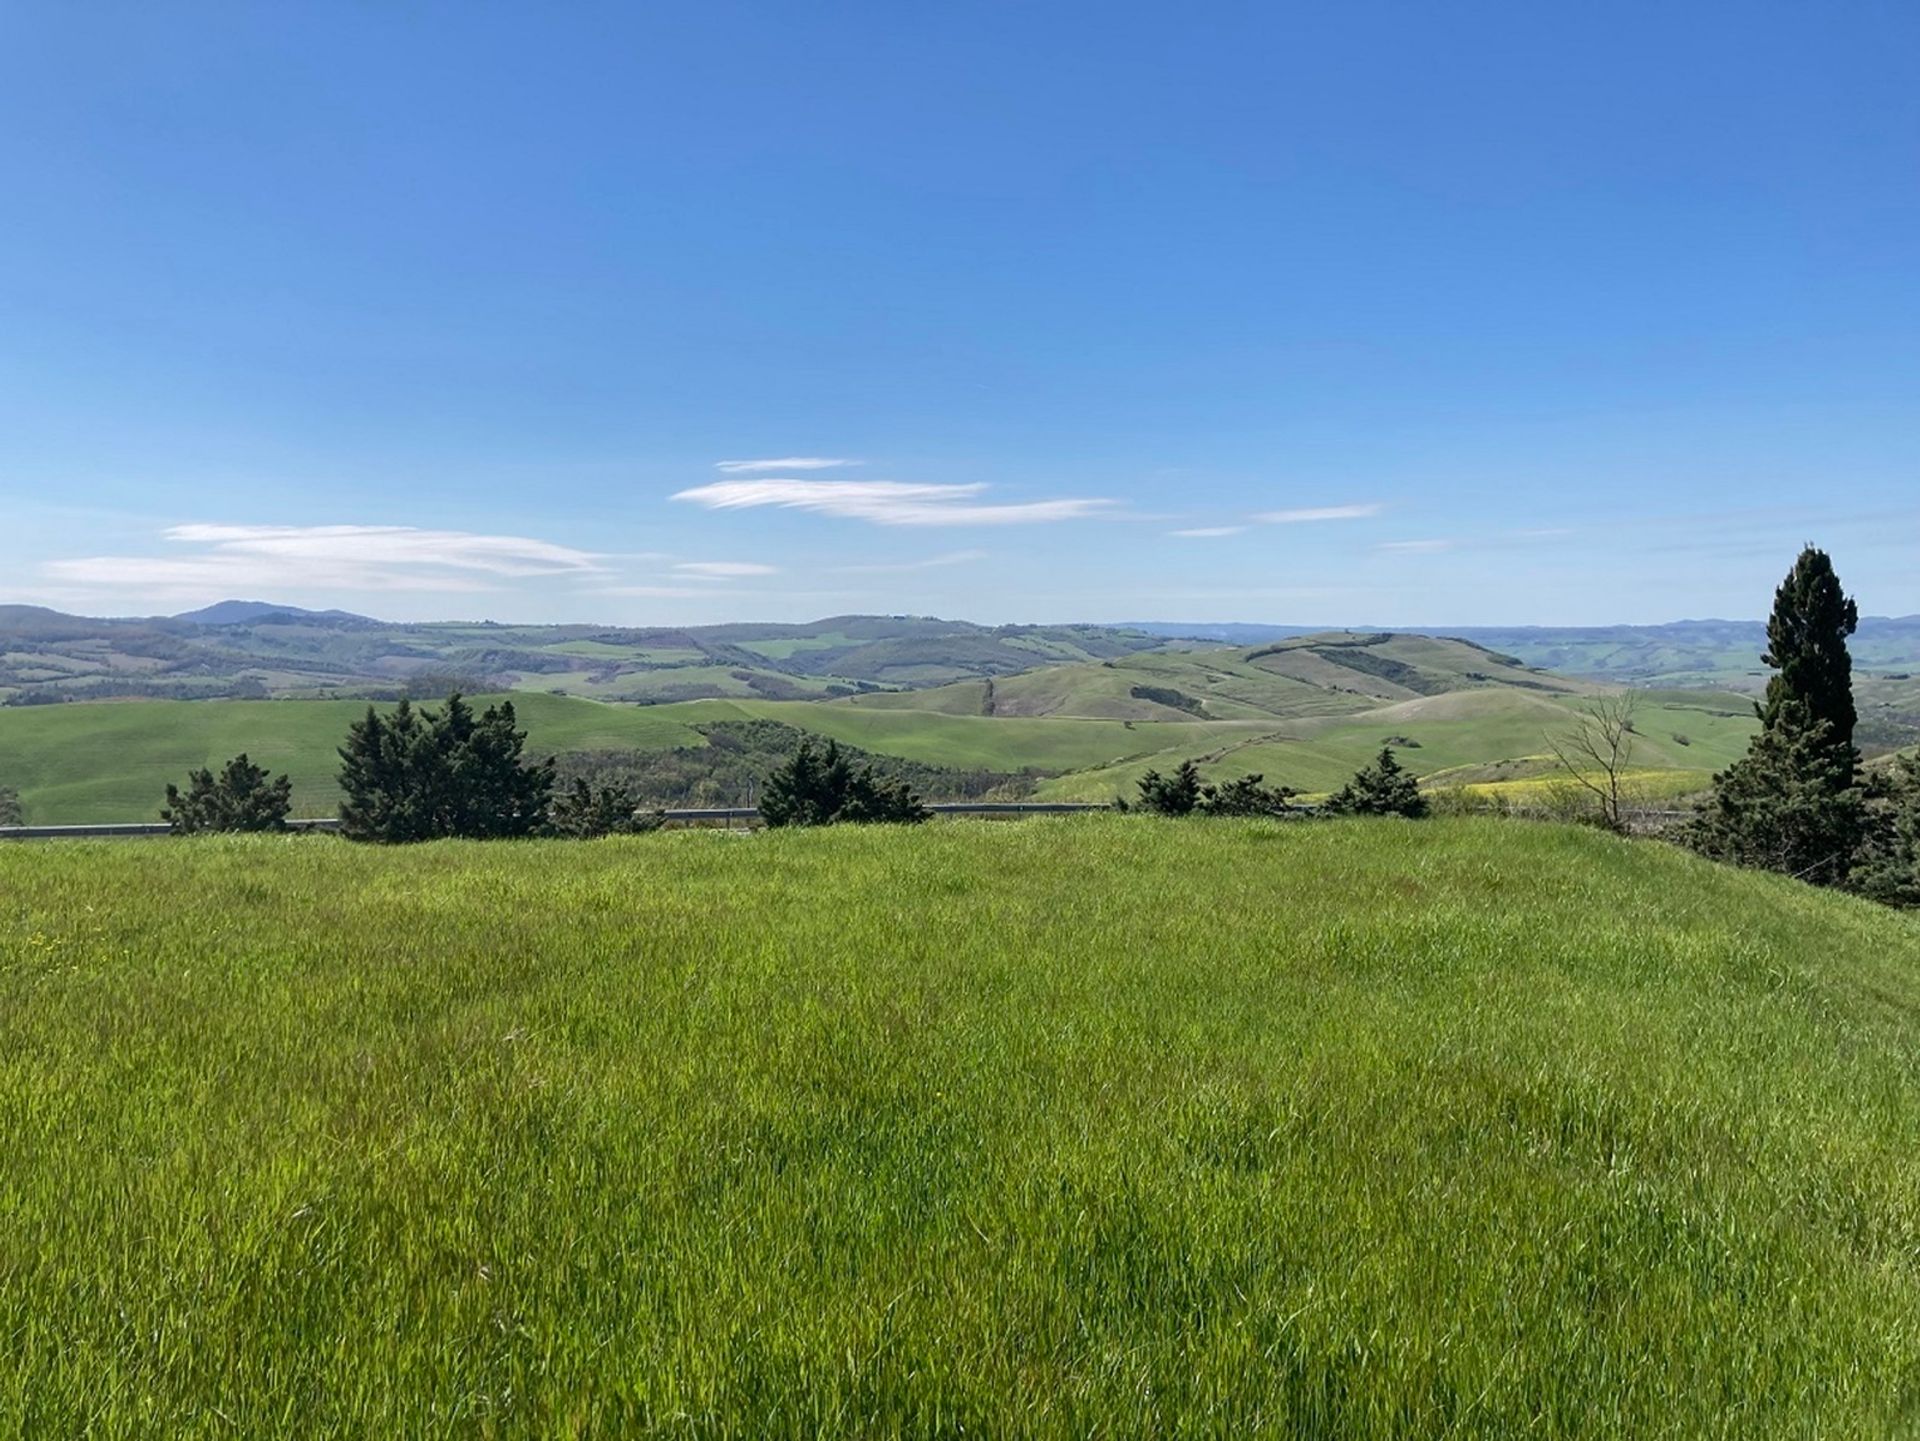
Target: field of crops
x,y
1101,1126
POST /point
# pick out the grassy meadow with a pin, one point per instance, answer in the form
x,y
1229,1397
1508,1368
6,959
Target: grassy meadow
x,y
1100,1126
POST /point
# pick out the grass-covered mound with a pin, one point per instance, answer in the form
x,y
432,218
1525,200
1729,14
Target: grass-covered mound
x,y
1093,1127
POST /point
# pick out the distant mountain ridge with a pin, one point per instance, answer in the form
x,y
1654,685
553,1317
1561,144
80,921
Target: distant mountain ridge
x,y
1676,652
244,612
255,648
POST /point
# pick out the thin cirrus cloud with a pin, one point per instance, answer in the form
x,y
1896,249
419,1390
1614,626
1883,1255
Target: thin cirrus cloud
x,y
1207,532
1308,514
932,562
886,502
226,559
723,569
791,462
1416,547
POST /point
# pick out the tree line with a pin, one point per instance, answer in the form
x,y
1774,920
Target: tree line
x,y
414,774
1384,788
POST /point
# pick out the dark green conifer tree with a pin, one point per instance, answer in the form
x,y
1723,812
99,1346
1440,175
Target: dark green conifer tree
x,y
1790,804
243,797
1245,797
822,788
1887,866
1793,802
1382,789
585,812
418,775
1807,647
1174,795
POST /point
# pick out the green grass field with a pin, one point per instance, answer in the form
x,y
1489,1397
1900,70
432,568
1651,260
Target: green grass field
x,y
1096,1127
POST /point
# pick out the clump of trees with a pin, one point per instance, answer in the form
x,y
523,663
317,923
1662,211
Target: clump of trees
x,y
736,756
242,797
418,775
583,812
1183,793
821,788
1384,788
1798,802
1174,795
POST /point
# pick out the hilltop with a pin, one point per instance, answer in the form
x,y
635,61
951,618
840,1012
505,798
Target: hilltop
x,y
1102,1127
243,612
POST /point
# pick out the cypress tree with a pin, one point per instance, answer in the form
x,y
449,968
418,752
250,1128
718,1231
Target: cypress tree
x,y
1807,647
1793,803
1788,805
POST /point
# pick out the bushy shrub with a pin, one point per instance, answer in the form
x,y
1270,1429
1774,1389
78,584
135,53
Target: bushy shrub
x,y
417,775
241,798
584,812
1174,795
1245,797
1790,804
820,788
1382,789
1887,865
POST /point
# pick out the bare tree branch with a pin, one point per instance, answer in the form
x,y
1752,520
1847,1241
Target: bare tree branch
x,y
1597,752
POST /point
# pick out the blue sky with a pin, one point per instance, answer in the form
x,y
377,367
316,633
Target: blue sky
x,y
1404,314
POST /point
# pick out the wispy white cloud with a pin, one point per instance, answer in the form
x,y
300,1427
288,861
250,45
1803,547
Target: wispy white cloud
x,y
932,562
723,569
791,462
1416,545
230,559
1319,512
885,502
1207,532
671,591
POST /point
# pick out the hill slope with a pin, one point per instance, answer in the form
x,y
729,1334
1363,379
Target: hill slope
x,y
1305,713
1104,1127
248,649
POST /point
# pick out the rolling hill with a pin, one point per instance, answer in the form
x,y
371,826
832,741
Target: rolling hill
x,y
1305,712
255,650
1679,653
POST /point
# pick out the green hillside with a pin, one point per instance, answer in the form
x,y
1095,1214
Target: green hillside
x,y
45,655
1326,674
1455,738
1104,1127
1306,713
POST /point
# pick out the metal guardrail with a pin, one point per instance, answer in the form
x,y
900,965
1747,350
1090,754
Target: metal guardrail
x,y
698,813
